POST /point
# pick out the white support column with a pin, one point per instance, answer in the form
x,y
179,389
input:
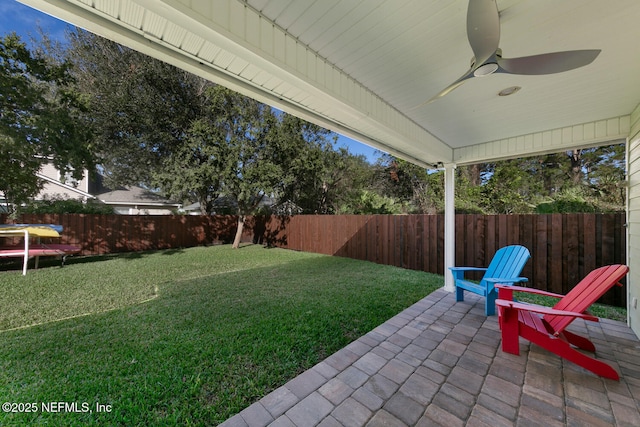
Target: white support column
x,y
449,225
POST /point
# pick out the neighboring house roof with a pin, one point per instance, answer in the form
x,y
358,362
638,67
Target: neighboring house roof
x,y
224,202
120,196
128,195
134,195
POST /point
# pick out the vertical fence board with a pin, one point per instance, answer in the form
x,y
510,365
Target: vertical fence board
x,y
385,240
526,239
491,243
607,239
571,255
460,239
427,238
397,240
589,244
501,229
539,248
557,280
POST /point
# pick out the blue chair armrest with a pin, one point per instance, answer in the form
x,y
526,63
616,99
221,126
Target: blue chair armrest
x,y
458,272
505,281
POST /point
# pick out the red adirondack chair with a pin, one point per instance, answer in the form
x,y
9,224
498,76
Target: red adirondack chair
x,y
546,326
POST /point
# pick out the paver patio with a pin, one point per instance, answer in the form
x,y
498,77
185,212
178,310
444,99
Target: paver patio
x,y
439,363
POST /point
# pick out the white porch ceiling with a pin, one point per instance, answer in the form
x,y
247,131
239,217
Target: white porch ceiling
x,y
360,67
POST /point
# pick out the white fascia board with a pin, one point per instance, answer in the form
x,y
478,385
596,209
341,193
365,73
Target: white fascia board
x,y
585,135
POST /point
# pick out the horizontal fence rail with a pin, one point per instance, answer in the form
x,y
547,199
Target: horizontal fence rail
x,y
564,247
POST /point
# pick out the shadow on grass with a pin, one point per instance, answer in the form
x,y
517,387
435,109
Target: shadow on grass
x,y
15,264
144,254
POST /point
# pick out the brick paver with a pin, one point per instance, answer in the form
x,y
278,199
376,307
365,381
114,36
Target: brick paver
x,y
439,363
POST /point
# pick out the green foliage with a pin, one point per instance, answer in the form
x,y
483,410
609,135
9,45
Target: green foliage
x,y
141,108
589,180
40,117
195,141
565,206
344,178
569,200
468,191
578,200
429,194
510,189
306,152
411,187
370,203
250,170
66,206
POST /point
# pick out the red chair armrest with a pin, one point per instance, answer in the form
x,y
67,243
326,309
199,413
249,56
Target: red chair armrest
x,y
529,290
544,310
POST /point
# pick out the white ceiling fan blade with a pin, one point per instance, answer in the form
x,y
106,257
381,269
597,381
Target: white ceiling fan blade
x,y
448,89
483,29
547,63
483,32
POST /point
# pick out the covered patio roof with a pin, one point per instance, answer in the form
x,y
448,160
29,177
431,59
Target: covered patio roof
x,y
363,68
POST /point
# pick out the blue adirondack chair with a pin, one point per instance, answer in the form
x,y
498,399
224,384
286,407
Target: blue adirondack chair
x,y
505,268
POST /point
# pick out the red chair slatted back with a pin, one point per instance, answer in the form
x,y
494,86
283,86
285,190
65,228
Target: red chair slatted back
x,y
585,293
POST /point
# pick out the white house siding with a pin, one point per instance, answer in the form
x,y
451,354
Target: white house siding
x,y
50,189
633,221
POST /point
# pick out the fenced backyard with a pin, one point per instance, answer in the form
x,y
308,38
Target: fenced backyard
x,y
564,247
193,336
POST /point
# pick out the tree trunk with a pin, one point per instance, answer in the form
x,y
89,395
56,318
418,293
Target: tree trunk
x,y
475,177
576,166
203,207
236,241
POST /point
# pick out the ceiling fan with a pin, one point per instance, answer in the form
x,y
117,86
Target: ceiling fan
x,y
483,32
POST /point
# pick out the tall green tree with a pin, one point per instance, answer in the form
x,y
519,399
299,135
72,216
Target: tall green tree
x,y
511,187
40,120
412,186
192,140
250,170
142,109
607,175
345,176
590,180
303,150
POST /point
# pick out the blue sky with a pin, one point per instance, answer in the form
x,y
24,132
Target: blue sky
x,y
24,21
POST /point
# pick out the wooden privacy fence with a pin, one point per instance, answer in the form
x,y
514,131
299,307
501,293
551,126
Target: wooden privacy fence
x,y
564,247
103,234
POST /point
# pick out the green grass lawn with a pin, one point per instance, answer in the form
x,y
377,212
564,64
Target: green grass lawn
x,y
183,337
